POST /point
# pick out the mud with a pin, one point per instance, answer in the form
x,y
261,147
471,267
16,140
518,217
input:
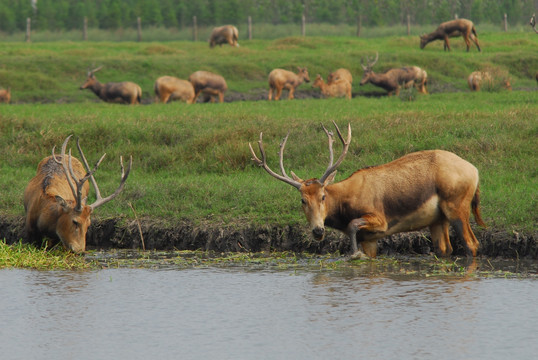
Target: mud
x,y
120,233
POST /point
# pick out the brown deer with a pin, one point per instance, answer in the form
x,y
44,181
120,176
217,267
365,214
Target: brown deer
x,y
394,78
453,28
55,199
340,74
5,95
477,79
168,88
209,84
339,87
283,79
432,188
125,92
224,34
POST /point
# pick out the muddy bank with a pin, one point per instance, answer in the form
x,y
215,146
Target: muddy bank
x,y
163,235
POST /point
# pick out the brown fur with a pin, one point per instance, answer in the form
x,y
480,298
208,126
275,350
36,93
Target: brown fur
x,y
478,78
168,88
209,84
432,188
453,28
394,78
338,88
340,74
125,92
224,34
5,96
283,79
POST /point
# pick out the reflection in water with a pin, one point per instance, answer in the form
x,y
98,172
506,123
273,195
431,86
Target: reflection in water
x,y
241,314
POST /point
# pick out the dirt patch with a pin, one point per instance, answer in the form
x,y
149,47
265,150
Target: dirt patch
x,y
117,233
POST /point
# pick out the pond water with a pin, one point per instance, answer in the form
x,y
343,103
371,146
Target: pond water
x,y
250,313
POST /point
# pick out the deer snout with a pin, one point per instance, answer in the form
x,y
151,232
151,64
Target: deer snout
x,y
318,233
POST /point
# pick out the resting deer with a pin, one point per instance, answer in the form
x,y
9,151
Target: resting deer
x,y
55,199
340,74
453,28
5,95
338,88
124,92
394,78
431,188
283,79
477,79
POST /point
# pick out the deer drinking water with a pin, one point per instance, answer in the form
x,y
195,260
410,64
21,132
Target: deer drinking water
x,y
432,188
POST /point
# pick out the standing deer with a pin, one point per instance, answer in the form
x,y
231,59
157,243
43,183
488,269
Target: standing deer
x,y
339,87
55,199
5,95
283,79
453,28
432,188
171,88
125,92
394,78
209,84
224,34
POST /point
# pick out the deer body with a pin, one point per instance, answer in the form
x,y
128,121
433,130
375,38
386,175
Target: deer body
x,y
283,79
209,84
340,74
224,34
171,88
432,188
338,88
5,95
55,199
125,92
453,28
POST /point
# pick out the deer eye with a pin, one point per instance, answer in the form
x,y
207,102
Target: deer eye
x,y
323,197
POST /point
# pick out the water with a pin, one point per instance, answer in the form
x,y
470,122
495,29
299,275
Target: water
x,y
231,313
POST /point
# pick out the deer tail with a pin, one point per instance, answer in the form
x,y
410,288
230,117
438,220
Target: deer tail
x,y
475,206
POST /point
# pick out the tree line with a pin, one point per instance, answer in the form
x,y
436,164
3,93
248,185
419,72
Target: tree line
x,y
58,15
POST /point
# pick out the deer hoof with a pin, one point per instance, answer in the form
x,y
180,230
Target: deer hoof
x,y
358,255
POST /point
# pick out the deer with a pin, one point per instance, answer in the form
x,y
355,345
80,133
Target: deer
x,y
55,200
224,34
340,74
478,78
453,28
124,92
168,88
532,23
430,188
209,84
339,87
5,95
283,79
394,78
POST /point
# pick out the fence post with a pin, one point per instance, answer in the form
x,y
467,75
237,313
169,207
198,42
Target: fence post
x,y
505,22
139,28
359,25
456,16
85,29
408,24
249,27
194,29
28,29
303,25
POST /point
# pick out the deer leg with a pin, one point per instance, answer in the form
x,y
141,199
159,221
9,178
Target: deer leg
x,y
270,96
278,93
459,219
475,40
290,95
221,97
447,43
440,237
352,228
370,223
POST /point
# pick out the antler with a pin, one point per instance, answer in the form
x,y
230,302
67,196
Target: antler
x,y
331,168
124,174
91,72
68,170
263,162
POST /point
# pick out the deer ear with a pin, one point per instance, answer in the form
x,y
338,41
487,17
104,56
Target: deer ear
x,y
330,178
296,178
62,202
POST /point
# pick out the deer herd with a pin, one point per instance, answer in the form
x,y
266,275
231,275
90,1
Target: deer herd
x,y
434,188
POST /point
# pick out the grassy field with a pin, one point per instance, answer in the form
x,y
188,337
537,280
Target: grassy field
x,y
192,162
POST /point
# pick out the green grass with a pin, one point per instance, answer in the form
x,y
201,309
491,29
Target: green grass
x,y
193,163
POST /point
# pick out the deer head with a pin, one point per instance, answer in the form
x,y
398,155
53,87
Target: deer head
x,y
368,68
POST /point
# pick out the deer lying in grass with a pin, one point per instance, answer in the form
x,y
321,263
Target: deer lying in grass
x,y
224,34
208,83
55,199
124,92
283,79
477,79
453,28
432,188
394,78
168,88
339,87
340,74
5,95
